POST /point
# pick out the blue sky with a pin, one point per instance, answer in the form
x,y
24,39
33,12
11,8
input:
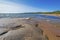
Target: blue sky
x,y
19,6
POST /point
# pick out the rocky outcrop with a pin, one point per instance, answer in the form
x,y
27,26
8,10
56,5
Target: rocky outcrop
x,y
19,29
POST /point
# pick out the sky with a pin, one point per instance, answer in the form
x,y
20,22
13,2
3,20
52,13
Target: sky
x,y
22,6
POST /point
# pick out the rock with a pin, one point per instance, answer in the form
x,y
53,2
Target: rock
x,y
3,31
19,30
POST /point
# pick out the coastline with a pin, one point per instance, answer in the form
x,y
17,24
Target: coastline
x,y
29,26
58,15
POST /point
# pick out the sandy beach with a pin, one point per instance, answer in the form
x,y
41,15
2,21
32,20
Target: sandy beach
x,y
58,15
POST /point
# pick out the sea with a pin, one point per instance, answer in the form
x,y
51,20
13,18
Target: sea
x,y
25,15
30,15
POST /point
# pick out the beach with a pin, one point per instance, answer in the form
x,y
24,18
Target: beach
x,y
29,29
19,29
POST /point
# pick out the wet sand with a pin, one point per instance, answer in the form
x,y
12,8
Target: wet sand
x,y
50,29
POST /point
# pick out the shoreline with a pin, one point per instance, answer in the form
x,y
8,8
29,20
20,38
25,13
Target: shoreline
x,y
58,15
29,26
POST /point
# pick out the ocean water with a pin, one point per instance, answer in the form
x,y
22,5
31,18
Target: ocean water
x,y
25,15
31,15
18,15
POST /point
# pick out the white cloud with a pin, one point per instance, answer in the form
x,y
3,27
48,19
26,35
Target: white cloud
x,y
9,7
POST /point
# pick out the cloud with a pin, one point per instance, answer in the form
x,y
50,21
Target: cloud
x,y
10,7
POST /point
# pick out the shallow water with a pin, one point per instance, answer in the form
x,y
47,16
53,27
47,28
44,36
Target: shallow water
x,y
23,15
37,17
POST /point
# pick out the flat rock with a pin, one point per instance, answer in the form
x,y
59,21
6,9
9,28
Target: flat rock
x,y
19,29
